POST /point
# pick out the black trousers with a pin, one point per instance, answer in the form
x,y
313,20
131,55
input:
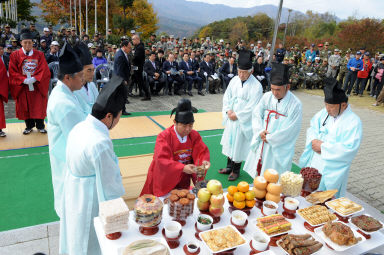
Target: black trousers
x,y
178,84
360,85
138,78
192,78
38,123
350,79
156,85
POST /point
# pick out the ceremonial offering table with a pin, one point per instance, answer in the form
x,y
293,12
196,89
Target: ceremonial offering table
x,y
114,247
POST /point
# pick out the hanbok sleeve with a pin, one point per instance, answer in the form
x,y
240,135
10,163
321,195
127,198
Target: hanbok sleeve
x,y
16,78
200,151
42,76
258,120
227,101
108,178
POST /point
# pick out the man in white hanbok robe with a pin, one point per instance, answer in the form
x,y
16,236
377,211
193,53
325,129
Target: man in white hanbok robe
x,y
93,173
241,97
88,93
276,124
63,113
333,140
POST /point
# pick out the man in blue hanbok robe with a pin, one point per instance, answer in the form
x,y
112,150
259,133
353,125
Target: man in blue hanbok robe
x,y
276,123
63,113
241,97
88,93
333,139
93,173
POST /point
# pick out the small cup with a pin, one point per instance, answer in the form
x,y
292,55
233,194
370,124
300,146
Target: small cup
x,y
204,227
260,240
192,246
172,229
269,211
239,217
291,203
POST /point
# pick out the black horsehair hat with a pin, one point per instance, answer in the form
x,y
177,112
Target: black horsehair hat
x,y
279,74
333,93
69,61
245,59
184,111
83,52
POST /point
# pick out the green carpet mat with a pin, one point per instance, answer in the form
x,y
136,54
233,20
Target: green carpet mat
x,y
26,186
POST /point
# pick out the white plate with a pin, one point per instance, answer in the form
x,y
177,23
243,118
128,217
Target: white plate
x,y
245,240
336,247
365,232
285,252
310,223
343,215
160,240
254,222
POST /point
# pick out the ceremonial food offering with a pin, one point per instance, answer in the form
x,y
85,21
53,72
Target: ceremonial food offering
x,y
271,175
320,196
204,222
299,244
312,178
316,215
291,184
273,225
146,247
344,206
222,239
269,207
291,203
181,204
260,240
148,210
366,223
114,215
339,233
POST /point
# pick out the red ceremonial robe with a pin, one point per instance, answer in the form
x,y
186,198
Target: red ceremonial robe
x,y
3,92
29,104
170,157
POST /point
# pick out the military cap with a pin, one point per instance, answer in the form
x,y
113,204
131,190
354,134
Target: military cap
x,y
50,26
292,58
32,24
153,46
184,38
221,40
162,37
292,47
222,54
68,30
317,58
269,45
189,48
309,59
208,38
114,47
348,51
305,47
147,48
177,38
133,31
7,25
202,48
73,29
297,45
259,41
181,49
286,58
325,59
13,39
326,43
93,47
171,36
337,50
320,45
252,45
109,46
83,30
378,53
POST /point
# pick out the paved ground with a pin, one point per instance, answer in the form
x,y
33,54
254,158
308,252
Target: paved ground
x,y
365,180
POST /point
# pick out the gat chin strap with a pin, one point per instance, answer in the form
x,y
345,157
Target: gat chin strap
x,y
173,111
111,123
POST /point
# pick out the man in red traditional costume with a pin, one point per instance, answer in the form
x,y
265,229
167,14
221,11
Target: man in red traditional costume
x,y
29,81
3,90
178,150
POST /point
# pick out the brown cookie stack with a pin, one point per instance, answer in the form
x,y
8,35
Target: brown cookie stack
x,y
181,204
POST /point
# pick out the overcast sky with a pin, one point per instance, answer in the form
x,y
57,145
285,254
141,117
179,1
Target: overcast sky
x,y
341,8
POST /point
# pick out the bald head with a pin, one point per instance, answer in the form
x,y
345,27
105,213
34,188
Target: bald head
x,y
136,39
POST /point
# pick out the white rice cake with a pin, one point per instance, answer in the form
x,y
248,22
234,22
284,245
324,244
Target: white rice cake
x,y
113,210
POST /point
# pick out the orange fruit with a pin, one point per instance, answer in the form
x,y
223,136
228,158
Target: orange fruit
x,y
250,203
230,197
250,195
239,204
243,186
232,190
239,196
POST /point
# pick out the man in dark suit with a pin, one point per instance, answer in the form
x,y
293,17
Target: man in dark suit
x,y
138,63
122,66
207,71
171,70
153,70
53,54
160,57
229,70
190,75
3,57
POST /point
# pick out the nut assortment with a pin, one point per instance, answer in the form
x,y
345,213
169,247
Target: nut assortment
x,y
316,214
292,183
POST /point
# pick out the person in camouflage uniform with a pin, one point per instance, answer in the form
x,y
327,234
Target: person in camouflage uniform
x,y
162,43
220,62
308,74
151,41
317,62
34,32
297,54
325,52
294,74
343,66
321,72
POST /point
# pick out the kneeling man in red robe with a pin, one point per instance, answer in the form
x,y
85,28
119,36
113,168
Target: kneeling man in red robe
x,y
177,150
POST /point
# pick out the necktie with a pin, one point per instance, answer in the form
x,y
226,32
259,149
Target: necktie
x,y
187,65
153,63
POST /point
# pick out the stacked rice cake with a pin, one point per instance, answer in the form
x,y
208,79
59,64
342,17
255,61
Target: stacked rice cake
x,y
114,215
344,206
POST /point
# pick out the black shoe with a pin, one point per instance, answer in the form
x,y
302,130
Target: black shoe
x,y
200,93
214,92
178,93
27,131
228,169
146,99
190,93
233,177
2,134
126,113
130,94
43,131
170,93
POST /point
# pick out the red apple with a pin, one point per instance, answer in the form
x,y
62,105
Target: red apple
x,y
215,187
203,206
204,195
217,200
216,211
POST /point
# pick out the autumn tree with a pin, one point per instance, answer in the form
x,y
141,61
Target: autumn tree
x,y
239,31
24,10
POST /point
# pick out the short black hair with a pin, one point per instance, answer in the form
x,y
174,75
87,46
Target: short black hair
x,y
152,53
160,51
124,43
99,50
185,54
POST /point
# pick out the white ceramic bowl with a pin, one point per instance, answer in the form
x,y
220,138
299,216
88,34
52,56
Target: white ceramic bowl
x,y
192,250
172,229
260,240
291,203
204,227
269,211
239,217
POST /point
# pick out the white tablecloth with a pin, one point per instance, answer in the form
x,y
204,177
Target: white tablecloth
x,y
109,247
